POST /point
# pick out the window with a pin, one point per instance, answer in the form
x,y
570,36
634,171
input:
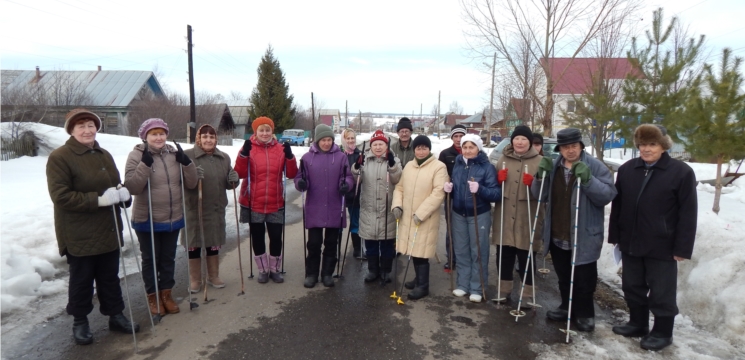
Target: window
x,y
571,105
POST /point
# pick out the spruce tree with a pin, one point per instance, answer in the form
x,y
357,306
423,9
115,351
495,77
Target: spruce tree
x,y
271,96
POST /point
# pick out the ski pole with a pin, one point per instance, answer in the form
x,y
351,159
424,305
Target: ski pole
x,y
284,213
201,235
517,313
408,262
152,244
124,270
385,233
478,245
305,239
192,305
532,237
341,229
137,261
349,233
499,297
250,237
450,234
238,238
574,257
395,270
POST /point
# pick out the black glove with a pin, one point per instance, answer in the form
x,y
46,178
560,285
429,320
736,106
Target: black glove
x,y
288,150
147,159
246,148
180,156
343,188
302,185
360,162
391,159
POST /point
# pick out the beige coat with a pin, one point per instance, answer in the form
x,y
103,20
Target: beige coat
x,y
516,221
420,193
373,206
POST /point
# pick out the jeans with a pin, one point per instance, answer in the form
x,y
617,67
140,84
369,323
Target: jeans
x,y
467,251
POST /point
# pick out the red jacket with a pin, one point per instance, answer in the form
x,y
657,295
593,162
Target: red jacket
x,y
267,161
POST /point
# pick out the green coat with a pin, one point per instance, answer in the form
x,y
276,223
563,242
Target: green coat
x,y
76,176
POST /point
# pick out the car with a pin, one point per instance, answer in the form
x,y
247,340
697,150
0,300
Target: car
x,y
293,136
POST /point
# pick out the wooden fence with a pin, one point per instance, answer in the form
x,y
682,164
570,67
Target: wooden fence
x,y
25,145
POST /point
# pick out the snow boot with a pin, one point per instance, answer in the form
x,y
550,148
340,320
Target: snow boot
x,y
505,290
120,323
386,264
422,282
152,302
585,324
262,263
195,275
213,272
373,268
327,271
528,294
557,314
638,324
81,331
357,245
661,335
167,301
275,262
312,265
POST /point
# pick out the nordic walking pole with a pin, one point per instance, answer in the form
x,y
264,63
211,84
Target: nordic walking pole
x,y
574,256
137,260
284,212
305,239
192,305
532,236
201,233
450,234
395,270
499,297
341,228
250,242
408,262
362,243
478,245
152,244
385,233
238,238
517,313
124,269
349,233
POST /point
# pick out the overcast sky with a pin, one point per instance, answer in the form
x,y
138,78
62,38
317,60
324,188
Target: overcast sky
x,y
380,56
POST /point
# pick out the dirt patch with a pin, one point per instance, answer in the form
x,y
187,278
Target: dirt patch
x,y
609,299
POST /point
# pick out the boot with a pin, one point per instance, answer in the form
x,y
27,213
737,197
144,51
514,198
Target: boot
x,y
411,284
152,301
312,264
557,314
585,324
357,245
422,281
120,323
386,264
528,294
661,335
167,301
262,263
327,271
195,275
505,290
81,331
274,269
638,324
373,268
213,272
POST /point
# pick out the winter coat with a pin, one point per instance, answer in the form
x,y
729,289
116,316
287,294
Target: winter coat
x,y
404,154
447,157
351,200
76,176
482,172
266,162
515,202
594,195
419,192
659,222
214,198
165,185
373,196
324,172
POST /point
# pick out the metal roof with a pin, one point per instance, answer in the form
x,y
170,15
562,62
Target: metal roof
x,y
115,88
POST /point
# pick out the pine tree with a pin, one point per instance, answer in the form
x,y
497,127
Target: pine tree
x,y
713,123
271,96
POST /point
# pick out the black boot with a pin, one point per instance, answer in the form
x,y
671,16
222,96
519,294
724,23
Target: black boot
x,y
327,271
585,324
82,331
661,335
638,324
357,245
311,271
386,265
411,284
422,281
120,323
373,268
557,314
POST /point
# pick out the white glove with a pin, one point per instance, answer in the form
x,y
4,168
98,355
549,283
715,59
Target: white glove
x,y
447,187
109,197
473,186
123,194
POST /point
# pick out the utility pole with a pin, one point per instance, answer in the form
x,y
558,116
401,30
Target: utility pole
x,y
360,121
438,107
491,103
192,105
346,111
420,113
313,110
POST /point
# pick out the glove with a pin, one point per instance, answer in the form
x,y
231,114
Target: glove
x,y
200,172
246,148
180,156
288,151
417,221
527,179
473,186
302,185
343,188
502,176
147,159
447,187
232,177
391,159
123,194
545,167
360,162
109,197
397,212
581,171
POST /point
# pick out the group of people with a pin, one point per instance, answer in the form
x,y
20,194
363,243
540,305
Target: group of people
x,y
392,190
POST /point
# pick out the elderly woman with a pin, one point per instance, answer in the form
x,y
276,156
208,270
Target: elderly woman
x,y
514,226
474,187
159,166
325,175
216,174
416,202
83,183
261,161
353,202
380,171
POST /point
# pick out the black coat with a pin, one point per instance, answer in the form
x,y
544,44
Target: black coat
x,y
448,156
661,221
350,200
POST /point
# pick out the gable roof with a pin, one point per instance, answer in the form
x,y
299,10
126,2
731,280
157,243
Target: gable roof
x,y
574,76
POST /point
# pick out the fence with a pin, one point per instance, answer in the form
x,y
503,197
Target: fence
x,y
25,145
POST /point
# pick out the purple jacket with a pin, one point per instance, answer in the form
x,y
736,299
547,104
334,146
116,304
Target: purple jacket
x,y
324,173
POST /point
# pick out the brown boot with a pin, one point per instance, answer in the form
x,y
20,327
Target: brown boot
x,y
528,294
213,272
195,275
505,290
152,302
167,301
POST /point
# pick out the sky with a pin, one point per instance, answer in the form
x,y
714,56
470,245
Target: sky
x,y
382,57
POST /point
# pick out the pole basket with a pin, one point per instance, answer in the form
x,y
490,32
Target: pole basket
x,y
517,313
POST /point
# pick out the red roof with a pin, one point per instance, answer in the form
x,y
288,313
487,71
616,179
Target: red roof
x,y
574,76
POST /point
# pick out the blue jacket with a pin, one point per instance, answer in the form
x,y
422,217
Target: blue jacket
x,y
482,171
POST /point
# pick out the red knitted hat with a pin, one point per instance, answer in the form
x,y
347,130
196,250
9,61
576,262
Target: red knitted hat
x,y
262,120
378,135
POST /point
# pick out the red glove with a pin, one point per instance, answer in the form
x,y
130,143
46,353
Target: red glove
x,y
527,179
502,176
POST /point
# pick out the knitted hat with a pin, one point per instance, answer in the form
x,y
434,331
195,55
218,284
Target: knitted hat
x,y
149,124
80,114
323,131
649,133
421,140
457,129
262,120
537,138
404,123
568,136
474,139
378,135
204,129
521,130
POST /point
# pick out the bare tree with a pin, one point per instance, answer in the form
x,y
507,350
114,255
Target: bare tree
x,y
303,118
237,95
455,108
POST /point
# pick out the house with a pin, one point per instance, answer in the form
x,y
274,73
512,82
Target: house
x,y
216,115
330,117
517,113
239,111
477,123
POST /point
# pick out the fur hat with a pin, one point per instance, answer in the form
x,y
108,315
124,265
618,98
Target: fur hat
x,y
474,139
650,133
149,124
80,114
422,140
378,135
404,123
323,131
521,130
456,129
262,120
